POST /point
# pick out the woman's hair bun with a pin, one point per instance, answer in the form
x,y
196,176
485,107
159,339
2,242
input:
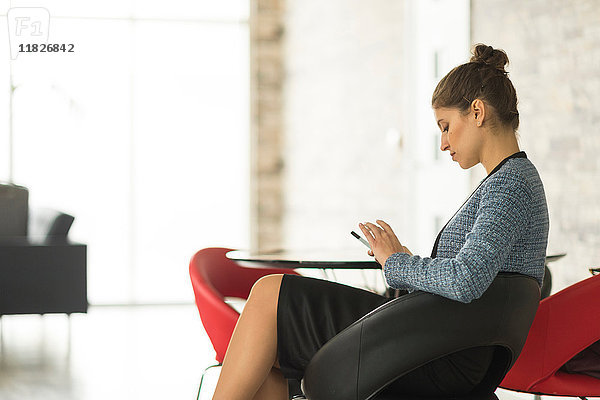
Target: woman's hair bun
x,y
487,55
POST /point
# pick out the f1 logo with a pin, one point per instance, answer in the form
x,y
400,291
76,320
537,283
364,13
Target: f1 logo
x,y
27,25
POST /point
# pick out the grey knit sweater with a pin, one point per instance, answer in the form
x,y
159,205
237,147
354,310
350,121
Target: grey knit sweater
x,y
502,227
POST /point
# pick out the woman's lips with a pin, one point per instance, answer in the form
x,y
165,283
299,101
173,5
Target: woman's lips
x,y
452,154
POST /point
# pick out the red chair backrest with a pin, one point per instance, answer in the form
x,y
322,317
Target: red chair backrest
x,y
565,323
215,277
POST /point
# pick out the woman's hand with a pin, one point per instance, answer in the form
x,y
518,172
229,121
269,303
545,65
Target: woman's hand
x,y
383,241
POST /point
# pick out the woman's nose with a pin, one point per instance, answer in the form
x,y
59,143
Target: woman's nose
x,y
444,142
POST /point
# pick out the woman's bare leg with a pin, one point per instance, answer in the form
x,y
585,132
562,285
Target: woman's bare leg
x,y
252,351
275,387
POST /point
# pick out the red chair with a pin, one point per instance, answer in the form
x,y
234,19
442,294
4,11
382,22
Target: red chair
x,y
565,324
215,277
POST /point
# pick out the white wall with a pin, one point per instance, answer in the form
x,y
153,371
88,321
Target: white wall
x,y
360,136
554,52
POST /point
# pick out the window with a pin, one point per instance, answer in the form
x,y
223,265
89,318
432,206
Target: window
x,y
142,134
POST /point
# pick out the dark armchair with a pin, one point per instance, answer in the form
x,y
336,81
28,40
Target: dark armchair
x,y
362,361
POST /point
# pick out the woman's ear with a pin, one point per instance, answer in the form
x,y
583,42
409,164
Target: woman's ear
x,y
478,110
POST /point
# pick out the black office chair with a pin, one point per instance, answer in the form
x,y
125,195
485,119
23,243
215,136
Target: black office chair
x,y
362,361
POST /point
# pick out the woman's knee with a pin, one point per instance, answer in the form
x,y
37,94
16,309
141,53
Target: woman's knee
x,y
267,286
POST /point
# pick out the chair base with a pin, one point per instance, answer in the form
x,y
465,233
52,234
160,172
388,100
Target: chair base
x,y
202,377
293,385
295,390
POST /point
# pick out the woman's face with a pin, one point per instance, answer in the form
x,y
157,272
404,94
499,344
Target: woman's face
x,y
460,136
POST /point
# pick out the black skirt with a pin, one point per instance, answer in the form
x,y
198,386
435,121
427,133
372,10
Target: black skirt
x,y
312,311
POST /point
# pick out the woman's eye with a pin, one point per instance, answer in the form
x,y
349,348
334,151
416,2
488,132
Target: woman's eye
x,y
445,130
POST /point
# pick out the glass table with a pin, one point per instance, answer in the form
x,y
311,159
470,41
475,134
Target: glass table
x,y
292,259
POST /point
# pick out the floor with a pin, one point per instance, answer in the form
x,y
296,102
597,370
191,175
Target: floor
x,y
135,352
120,352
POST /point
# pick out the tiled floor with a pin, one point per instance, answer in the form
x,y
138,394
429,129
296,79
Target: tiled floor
x,y
148,353
114,353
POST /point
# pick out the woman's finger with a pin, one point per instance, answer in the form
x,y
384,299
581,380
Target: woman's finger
x,y
385,226
374,228
367,234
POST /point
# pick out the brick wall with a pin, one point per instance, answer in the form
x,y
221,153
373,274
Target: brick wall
x,y
266,78
554,48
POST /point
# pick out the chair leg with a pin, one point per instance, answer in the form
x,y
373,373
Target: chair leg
x,y
202,377
294,389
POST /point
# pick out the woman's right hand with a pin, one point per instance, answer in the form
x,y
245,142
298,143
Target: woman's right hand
x,y
382,240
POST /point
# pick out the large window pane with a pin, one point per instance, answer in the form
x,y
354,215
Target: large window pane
x,y
205,10
141,134
72,143
187,9
78,8
191,129
4,103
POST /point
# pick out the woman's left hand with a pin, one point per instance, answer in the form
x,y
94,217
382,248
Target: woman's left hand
x,y
383,240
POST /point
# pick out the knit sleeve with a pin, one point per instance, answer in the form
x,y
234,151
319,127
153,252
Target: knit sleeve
x,y
501,217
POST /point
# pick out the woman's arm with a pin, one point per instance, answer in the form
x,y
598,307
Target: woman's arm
x,y
502,215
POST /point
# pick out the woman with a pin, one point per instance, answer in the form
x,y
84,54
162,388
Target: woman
x,y
503,226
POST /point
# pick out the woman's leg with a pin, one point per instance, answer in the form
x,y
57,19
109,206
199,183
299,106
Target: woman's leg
x,y
252,353
275,387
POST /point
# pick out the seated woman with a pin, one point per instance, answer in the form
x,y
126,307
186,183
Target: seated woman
x,y
502,227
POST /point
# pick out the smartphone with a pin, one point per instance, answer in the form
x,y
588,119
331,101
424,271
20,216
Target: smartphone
x,y
363,241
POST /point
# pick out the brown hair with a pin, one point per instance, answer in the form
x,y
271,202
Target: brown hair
x,y
482,78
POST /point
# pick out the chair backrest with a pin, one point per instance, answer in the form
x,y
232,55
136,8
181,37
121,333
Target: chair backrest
x,y
218,318
14,204
215,277
566,323
417,328
49,224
